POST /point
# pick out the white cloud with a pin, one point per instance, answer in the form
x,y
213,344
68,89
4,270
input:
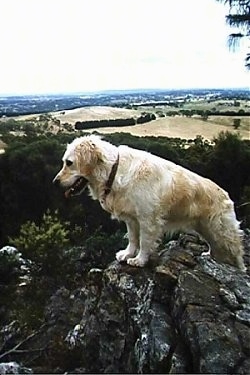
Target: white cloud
x,y
81,45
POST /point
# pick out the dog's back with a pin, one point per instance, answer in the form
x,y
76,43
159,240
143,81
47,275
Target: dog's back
x,y
183,200
153,196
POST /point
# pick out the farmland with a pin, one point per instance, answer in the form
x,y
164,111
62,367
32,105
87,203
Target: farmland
x,y
182,114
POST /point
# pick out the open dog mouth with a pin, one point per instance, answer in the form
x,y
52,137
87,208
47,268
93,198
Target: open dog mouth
x,y
77,188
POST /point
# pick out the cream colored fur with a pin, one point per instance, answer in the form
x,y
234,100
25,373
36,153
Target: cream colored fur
x,y
154,196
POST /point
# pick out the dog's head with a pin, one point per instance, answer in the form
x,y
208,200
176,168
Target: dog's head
x,y
79,161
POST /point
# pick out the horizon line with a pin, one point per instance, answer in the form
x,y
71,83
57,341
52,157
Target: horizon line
x,y
93,92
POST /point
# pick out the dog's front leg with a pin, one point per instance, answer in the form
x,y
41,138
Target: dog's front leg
x,y
149,237
133,238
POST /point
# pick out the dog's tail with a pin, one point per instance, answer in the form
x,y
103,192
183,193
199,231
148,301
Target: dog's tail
x,y
225,238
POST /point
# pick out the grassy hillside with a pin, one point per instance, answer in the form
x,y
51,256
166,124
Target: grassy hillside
x,y
181,119
181,127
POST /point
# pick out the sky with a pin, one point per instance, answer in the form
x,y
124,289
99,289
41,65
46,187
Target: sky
x,y
61,46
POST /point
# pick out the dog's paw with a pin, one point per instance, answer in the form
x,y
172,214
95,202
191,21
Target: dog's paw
x,y
137,261
123,255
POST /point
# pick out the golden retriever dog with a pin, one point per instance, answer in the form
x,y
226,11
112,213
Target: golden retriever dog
x,y
152,196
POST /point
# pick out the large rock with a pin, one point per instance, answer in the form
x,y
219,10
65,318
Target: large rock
x,y
13,368
183,313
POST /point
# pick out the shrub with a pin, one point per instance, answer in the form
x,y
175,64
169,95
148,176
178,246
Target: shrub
x,y
236,123
43,245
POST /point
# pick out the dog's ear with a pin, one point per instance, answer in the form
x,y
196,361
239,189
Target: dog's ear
x,y
96,152
88,153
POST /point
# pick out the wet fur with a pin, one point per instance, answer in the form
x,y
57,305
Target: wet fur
x,y
154,196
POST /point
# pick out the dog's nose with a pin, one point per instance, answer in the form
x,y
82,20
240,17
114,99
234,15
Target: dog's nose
x,y
56,181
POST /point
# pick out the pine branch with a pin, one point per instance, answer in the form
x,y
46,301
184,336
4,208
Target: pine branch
x,y
238,20
234,40
16,349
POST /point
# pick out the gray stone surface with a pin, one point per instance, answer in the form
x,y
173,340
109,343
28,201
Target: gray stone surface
x,y
183,313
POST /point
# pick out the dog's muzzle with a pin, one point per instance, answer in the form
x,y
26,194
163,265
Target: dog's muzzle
x,y
56,181
75,189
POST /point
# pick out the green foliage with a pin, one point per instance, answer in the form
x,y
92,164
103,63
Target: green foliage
x,y
105,123
196,156
99,240
26,171
205,113
229,162
236,123
12,268
44,247
244,207
44,244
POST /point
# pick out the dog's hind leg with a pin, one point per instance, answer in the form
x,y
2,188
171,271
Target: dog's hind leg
x,y
133,238
225,238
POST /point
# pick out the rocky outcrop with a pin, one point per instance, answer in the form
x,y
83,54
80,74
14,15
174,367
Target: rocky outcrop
x,y
13,368
183,313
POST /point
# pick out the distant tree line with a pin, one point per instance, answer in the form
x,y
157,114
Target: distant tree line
x,y
147,117
201,112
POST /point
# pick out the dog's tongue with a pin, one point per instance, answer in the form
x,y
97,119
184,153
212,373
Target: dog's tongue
x,y
67,193
76,189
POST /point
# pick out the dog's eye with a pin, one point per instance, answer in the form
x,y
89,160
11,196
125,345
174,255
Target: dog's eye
x,y
69,163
